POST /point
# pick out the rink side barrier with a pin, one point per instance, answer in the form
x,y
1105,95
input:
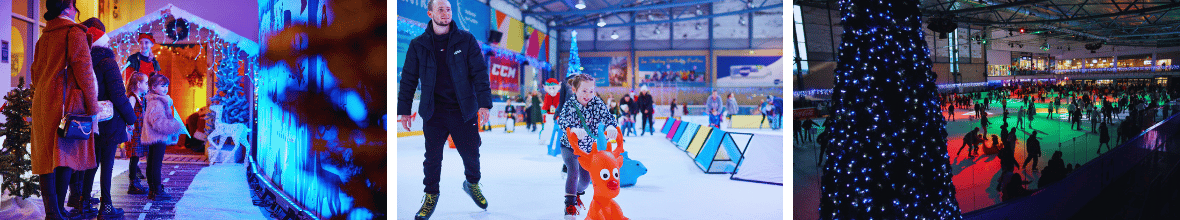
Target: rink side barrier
x,y
716,151
271,198
748,121
497,119
1069,195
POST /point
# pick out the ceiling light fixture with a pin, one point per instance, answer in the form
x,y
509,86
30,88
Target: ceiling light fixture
x,y
699,12
614,35
698,26
581,5
657,31
601,22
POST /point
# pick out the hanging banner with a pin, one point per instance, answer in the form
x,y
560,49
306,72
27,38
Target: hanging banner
x,y
749,71
608,71
538,44
671,71
504,75
513,38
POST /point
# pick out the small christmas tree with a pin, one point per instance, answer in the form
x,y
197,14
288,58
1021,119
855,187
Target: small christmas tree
x,y
230,94
14,152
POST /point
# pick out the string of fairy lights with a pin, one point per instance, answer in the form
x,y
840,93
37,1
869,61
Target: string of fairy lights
x,y
125,44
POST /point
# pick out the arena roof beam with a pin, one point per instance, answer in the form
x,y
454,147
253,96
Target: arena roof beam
x,y
992,7
541,5
1075,18
567,19
613,10
768,7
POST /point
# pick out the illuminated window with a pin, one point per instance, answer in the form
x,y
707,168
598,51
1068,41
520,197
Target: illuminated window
x,y
800,44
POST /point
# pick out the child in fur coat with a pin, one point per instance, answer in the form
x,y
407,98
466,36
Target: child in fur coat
x,y
160,129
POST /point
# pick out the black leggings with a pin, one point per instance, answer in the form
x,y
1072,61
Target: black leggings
x,y
105,153
155,161
82,183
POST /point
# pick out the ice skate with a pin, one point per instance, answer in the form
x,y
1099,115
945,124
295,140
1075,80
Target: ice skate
x,y
429,201
473,191
571,208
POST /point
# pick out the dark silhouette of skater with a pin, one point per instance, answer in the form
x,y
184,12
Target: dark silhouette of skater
x,y
1033,148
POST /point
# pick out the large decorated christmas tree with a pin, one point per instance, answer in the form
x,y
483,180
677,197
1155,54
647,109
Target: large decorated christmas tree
x,y
13,154
887,156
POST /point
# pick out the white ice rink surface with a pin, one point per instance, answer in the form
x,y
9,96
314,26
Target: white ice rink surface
x,y
521,182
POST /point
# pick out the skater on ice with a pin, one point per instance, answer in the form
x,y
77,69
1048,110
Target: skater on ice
x,y
509,116
715,109
580,116
453,97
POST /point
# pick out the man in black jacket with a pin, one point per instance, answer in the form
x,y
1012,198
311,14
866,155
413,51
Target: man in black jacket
x,y
455,89
648,109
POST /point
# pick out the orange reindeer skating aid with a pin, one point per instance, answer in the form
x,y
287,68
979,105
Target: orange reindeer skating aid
x,y
606,185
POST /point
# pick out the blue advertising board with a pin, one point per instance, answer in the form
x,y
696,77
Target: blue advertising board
x,y
749,71
599,67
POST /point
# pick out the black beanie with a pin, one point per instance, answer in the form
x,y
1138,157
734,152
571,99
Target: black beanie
x,y
53,8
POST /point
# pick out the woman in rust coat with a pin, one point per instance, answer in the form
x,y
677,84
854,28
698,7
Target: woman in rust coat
x,y
62,44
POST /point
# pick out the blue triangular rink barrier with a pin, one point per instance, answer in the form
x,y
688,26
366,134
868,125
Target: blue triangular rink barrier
x,y
687,136
554,147
722,154
680,132
667,126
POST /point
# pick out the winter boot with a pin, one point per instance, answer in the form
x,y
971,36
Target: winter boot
x,y
109,211
158,194
429,201
476,195
136,188
571,207
77,202
82,208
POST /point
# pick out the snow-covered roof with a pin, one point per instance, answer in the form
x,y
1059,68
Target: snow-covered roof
x,y
250,47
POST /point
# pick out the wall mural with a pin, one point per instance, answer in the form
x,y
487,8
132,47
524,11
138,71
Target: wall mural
x,y
668,71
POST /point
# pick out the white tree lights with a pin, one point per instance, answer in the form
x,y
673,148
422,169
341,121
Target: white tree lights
x,y
886,138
